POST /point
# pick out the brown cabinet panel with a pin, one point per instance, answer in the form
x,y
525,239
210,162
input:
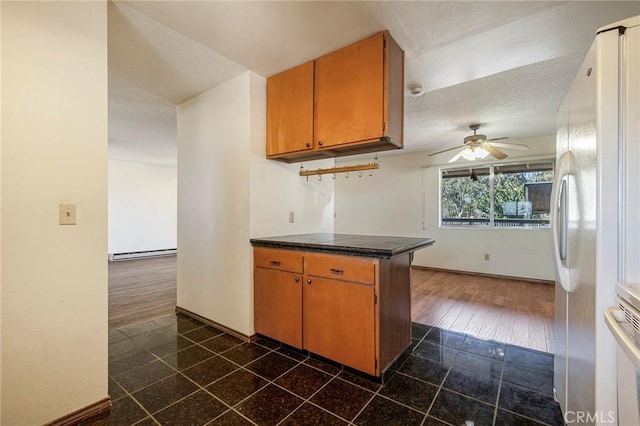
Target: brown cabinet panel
x,y
352,310
278,305
394,307
349,98
285,260
348,268
394,92
290,110
339,322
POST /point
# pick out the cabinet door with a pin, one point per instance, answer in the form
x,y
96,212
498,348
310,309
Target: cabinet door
x,y
339,322
349,94
290,110
278,305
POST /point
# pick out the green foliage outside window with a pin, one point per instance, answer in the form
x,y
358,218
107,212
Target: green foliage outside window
x,y
519,195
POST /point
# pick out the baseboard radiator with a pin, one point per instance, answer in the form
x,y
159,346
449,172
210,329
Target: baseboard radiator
x,y
114,257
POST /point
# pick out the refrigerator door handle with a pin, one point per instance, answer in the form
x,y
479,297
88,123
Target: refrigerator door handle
x,y
560,219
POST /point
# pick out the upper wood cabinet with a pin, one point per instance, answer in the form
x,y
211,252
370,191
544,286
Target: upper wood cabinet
x,y
290,111
348,101
357,103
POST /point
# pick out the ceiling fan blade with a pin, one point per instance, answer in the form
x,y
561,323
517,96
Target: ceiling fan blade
x,y
455,157
444,150
495,153
497,139
510,146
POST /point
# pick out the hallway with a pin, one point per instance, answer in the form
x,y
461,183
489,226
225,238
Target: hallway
x,y
141,289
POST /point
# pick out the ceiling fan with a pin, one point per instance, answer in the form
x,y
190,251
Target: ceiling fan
x,y
477,147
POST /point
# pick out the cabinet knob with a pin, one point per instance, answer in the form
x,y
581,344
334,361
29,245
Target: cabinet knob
x,y
320,143
309,281
297,279
308,144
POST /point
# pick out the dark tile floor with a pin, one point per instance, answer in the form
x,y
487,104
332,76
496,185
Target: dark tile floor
x,y
177,371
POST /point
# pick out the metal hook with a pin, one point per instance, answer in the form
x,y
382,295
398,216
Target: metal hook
x,y
307,178
371,173
333,176
319,178
346,175
360,173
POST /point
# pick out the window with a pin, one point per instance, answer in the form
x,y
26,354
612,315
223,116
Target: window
x,y
505,195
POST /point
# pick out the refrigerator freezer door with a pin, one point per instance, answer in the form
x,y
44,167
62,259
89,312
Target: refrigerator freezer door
x,y
561,296
573,230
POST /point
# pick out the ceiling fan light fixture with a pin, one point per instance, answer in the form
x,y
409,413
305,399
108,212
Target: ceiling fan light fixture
x,y
468,154
478,147
474,153
480,153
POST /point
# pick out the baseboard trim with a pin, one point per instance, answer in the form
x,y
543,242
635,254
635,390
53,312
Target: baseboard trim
x,y
97,409
145,254
213,323
482,274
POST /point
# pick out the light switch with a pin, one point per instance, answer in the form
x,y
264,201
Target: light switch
x,y
291,217
67,214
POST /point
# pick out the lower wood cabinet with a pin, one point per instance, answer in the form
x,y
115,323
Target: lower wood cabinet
x,y
339,322
278,305
352,310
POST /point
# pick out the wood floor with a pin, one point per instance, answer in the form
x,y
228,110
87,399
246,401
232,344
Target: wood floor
x,y
141,289
506,310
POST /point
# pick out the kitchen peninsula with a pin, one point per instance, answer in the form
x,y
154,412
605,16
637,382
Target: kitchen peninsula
x,y
344,297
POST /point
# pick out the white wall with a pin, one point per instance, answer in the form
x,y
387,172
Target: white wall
x,y
276,188
392,202
54,149
143,204
228,192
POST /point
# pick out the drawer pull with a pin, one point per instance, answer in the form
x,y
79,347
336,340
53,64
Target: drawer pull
x,y
275,263
297,279
309,281
336,271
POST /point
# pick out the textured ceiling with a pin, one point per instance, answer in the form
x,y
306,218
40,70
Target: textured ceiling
x,y
506,65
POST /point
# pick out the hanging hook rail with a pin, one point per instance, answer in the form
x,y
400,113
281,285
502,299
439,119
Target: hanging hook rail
x,y
341,169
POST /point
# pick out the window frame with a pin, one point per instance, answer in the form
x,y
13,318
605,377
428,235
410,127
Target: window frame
x,y
491,166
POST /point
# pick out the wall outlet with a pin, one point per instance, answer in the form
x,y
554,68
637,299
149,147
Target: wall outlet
x,y
487,257
291,217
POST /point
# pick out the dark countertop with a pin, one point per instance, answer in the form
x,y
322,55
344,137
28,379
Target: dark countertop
x,y
353,245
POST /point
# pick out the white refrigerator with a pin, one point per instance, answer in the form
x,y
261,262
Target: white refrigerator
x,y
595,215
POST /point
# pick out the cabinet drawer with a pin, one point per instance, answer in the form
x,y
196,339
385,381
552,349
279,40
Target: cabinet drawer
x,y
346,268
284,260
